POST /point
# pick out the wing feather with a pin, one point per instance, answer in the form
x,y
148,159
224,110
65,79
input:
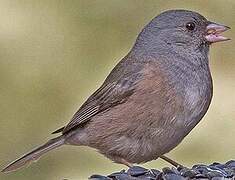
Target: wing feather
x,y
108,95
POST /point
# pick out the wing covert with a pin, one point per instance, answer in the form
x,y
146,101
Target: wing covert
x,y
108,95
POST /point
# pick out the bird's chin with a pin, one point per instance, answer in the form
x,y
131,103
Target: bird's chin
x,y
214,33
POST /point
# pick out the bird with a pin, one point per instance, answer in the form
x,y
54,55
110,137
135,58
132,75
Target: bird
x,y
151,99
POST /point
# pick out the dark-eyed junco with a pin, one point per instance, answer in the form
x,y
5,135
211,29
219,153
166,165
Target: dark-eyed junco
x,y
151,99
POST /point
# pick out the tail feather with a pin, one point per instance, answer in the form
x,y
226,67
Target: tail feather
x,y
58,130
35,154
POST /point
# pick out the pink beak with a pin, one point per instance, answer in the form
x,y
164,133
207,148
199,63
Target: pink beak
x,y
214,32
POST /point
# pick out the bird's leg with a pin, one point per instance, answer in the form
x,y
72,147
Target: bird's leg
x,y
119,160
177,165
123,161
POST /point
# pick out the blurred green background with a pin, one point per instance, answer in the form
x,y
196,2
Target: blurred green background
x,y
54,54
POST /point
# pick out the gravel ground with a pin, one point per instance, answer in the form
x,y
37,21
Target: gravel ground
x,y
215,171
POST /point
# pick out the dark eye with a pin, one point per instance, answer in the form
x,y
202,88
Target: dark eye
x,y
190,26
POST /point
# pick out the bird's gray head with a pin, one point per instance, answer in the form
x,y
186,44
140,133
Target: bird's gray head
x,y
179,30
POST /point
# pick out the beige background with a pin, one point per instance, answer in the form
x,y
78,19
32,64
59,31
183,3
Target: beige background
x,y
54,54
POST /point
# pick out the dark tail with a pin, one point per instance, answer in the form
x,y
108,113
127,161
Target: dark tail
x,y
35,154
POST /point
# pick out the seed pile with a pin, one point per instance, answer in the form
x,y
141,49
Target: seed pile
x,y
215,171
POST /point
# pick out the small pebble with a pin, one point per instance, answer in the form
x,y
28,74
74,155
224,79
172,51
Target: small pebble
x,y
219,178
119,175
219,171
173,177
214,171
230,163
218,165
189,173
198,176
147,176
167,170
230,172
214,174
98,177
155,172
137,171
202,169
